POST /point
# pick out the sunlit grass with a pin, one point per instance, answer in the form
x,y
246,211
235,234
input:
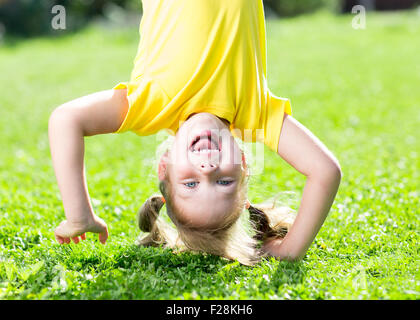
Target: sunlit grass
x,y
357,90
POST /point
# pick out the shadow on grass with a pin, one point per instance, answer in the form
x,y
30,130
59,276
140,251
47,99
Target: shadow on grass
x,y
167,258
291,273
134,272
201,264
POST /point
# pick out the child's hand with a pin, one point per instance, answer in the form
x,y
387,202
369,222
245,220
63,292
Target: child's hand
x,y
271,246
278,248
68,230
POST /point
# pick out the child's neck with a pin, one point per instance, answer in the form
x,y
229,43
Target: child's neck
x,y
227,123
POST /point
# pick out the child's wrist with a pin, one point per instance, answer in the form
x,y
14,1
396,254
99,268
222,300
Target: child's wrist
x,y
81,222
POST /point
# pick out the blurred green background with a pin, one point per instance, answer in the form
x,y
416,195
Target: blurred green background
x,y
357,90
33,17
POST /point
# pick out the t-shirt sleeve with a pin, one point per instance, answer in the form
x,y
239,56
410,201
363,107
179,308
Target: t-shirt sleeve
x,y
147,103
276,108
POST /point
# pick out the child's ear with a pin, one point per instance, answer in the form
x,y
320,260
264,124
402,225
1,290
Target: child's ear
x,y
247,204
162,166
244,165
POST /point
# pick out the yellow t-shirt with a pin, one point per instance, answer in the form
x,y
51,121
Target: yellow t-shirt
x,y
203,56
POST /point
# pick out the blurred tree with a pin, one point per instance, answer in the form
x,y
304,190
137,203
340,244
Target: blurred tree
x,y
296,7
380,4
28,17
33,17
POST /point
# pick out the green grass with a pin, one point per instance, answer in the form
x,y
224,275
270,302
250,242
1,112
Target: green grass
x,y
357,90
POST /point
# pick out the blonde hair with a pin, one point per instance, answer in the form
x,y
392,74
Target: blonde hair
x,y
235,239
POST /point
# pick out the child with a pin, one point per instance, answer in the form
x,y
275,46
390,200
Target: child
x,y
200,74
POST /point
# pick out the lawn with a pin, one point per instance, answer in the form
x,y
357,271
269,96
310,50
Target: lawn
x,y
357,90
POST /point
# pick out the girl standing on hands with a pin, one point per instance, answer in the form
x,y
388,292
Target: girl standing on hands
x,y
199,73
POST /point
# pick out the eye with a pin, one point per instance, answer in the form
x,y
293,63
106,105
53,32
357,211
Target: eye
x,y
190,184
224,182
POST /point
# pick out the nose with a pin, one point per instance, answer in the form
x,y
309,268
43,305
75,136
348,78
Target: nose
x,y
207,167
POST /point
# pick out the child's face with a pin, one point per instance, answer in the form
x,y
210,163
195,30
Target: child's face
x,y
205,174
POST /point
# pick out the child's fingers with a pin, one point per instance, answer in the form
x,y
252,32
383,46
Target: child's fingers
x,y
103,236
59,239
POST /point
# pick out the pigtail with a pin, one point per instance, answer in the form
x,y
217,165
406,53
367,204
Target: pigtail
x,y
149,212
270,221
160,232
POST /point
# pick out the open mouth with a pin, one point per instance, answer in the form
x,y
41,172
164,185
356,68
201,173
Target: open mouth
x,y
205,142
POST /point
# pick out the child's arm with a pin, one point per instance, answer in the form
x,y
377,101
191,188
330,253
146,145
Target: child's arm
x,y
302,150
98,113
